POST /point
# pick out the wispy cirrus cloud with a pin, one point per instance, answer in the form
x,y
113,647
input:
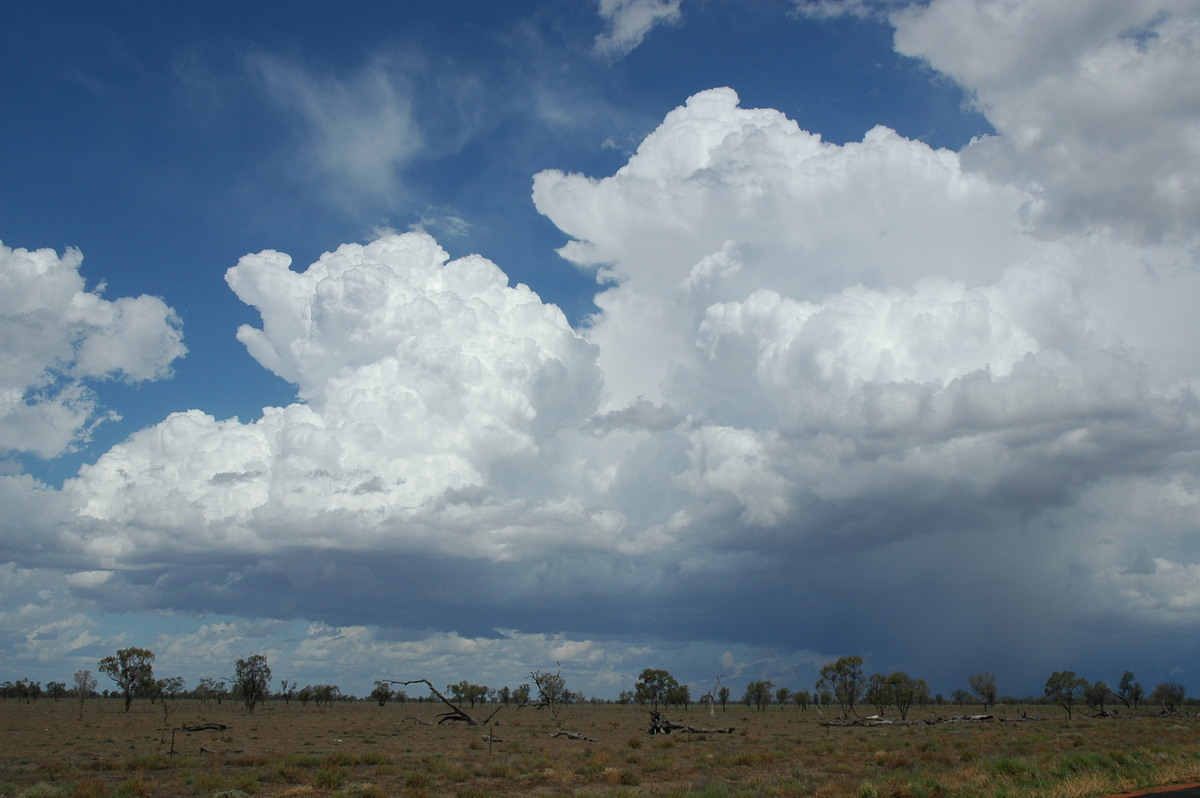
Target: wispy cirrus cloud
x,y
357,130
629,22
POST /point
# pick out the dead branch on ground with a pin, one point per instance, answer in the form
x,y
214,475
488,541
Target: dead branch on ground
x,y
197,728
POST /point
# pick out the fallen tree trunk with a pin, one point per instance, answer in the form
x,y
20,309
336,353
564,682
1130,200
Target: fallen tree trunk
x,y
963,719
661,725
871,720
570,735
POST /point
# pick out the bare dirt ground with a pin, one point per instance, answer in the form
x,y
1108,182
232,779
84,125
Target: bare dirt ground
x,y
47,749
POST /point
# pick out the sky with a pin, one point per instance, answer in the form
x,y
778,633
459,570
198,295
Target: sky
x,y
459,340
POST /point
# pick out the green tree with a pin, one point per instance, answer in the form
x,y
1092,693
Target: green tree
x,y
844,680
723,697
878,692
252,678
758,694
85,685
520,694
552,690
132,669
904,690
1096,695
172,687
1170,695
287,691
325,694
465,691
983,685
802,699
382,692
783,695
653,687
1129,691
210,688
1064,688
680,695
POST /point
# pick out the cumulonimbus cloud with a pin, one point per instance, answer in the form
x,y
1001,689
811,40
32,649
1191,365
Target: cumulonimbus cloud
x,y
810,362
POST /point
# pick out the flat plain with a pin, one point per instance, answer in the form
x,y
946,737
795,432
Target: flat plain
x,y
52,749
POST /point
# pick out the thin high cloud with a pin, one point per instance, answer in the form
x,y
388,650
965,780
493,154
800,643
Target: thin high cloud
x,y
359,130
630,21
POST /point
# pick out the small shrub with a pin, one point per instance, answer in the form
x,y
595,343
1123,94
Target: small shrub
x,y
302,760
249,760
418,780
374,758
1008,767
340,759
285,774
43,790
500,770
134,788
207,781
329,778
150,762
90,788
364,790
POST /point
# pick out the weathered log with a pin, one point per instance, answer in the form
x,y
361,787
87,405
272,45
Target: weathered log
x,y
661,725
963,719
871,720
570,735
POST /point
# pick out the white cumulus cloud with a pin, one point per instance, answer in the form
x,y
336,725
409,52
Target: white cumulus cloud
x,y
421,378
1095,104
56,336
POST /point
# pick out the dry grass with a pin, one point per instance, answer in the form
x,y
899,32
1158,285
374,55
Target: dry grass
x,y
363,750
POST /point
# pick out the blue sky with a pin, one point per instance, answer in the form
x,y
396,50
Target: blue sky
x,y
851,327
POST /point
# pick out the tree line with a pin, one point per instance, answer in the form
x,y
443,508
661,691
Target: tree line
x,y
841,685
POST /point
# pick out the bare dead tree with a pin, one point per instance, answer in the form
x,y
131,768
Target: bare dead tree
x,y
456,714
711,695
552,690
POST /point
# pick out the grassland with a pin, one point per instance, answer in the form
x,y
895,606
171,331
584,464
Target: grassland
x,y
358,749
